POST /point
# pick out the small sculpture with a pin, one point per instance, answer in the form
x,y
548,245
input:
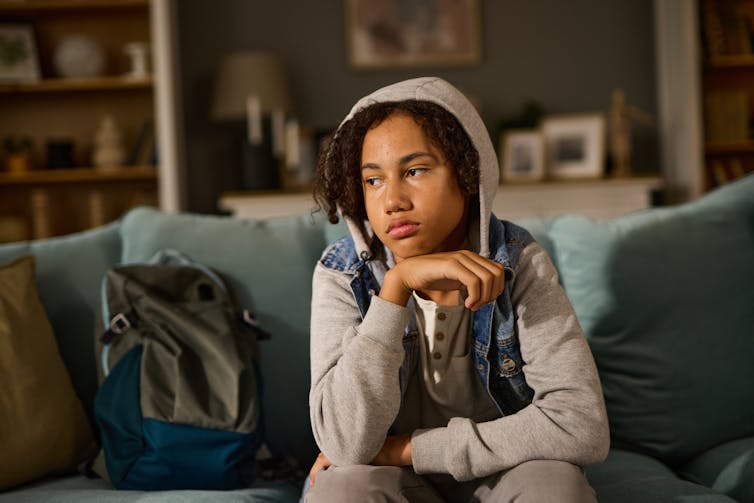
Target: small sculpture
x,y
108,145
138,55
621,115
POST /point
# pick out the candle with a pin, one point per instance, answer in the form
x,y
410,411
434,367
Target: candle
x,y
278,133
254,119
292,153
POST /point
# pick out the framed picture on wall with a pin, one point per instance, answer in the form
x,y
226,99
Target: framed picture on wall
x,y
397,33
522,156
575,146
18,53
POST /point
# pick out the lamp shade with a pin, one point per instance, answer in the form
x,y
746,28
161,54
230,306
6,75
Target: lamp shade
x,y
244,74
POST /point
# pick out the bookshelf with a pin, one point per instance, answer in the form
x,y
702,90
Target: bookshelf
x,y
38,202
727,84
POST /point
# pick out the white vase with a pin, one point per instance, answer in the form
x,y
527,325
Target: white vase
x,y
79,56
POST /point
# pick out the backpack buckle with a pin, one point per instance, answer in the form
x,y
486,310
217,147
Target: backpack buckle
x,y
249,319
252,322
120,324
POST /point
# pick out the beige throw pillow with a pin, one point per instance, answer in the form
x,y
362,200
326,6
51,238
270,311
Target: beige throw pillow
x,y
43,427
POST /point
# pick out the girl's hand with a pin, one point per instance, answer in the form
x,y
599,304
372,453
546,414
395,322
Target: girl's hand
x,y
320,463
396,451
482,279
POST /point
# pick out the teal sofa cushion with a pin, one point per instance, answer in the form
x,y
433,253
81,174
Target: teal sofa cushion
x,y
727,468
69,271
665,298
82,490
630,477
540,228
269,264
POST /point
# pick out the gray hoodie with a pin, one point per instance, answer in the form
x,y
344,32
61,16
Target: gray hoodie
x,y
355,394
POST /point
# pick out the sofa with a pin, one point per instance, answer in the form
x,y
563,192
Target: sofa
x,y
665,296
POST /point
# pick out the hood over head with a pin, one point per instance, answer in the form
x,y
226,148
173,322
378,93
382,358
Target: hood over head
x,y
440,92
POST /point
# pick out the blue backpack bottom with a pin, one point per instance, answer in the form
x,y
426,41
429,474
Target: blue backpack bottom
x,y
149,454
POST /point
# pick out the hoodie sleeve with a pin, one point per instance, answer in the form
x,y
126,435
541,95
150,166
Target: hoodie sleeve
x,y
355,391
566,420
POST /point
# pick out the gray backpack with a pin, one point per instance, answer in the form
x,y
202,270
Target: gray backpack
x,y
179,406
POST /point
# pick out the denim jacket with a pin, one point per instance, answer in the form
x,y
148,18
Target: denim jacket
x,y
497,352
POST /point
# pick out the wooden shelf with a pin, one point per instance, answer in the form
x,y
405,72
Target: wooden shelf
x,y
732,61
730,148
107,83
24,6
79,175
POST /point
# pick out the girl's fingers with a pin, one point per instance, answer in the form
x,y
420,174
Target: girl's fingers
x,y
490,273
483,279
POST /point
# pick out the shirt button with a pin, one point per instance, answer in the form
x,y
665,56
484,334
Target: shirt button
x,y
441,316
439,336
437,355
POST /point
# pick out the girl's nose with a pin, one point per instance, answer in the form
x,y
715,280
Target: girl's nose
x,y
396,198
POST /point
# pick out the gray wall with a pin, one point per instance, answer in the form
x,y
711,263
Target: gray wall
x,y
568,55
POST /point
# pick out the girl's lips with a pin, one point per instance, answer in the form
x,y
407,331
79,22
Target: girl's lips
x,y
402,230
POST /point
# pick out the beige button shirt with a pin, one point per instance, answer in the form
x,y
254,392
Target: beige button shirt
x,y
445,383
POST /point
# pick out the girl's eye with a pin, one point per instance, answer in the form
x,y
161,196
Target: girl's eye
x,y
372,181
415,171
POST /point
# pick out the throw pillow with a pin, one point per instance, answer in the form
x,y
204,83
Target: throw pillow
x,y
43,428
665,298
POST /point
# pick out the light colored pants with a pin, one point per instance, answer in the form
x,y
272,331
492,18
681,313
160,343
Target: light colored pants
x,y
533,481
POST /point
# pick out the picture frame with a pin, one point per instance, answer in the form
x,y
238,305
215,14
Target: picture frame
x,y
19,60
395,33
522,155
575,146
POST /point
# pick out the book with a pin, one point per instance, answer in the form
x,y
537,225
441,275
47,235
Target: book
x,y
143,150
726,28
726,116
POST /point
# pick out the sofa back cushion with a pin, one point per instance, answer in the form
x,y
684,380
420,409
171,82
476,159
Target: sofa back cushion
x,y
269,265
666,299
68,272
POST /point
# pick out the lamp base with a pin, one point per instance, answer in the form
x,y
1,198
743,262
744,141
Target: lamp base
x,y
257,166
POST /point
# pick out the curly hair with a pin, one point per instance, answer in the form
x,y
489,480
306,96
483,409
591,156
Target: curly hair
x,y
337,183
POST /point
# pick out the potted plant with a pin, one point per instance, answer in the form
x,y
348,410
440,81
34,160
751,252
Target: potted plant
x,y
17,149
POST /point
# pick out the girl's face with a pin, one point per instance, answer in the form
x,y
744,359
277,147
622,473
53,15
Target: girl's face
x,y
412,197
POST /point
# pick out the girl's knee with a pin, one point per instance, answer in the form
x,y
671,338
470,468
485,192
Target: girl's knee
x,y
356,483
544,480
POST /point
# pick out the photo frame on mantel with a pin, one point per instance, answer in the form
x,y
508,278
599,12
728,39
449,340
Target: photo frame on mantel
x,y
395,33
575,146
522,157
19,61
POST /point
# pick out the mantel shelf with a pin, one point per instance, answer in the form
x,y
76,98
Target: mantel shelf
x,y
597,198
107,83
79,175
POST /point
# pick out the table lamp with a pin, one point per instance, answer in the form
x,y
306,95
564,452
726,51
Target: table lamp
x,y
252,88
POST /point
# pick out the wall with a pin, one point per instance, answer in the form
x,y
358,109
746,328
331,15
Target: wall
x,y
569,56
